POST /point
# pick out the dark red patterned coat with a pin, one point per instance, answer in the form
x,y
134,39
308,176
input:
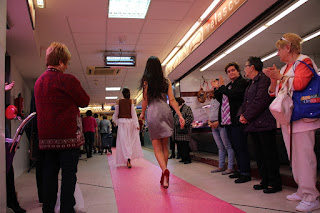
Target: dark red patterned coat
x,y
58,97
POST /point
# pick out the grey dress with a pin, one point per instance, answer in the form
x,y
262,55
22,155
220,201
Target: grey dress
x,y
159,119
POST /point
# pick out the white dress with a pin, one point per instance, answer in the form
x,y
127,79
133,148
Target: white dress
x,y
128,139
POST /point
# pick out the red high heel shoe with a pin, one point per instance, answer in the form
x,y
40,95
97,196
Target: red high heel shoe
x,y
161,180
166,174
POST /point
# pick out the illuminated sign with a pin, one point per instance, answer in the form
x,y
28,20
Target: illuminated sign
x,y
216,20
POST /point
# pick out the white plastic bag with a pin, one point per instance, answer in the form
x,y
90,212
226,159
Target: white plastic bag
x,y
281,107
79,207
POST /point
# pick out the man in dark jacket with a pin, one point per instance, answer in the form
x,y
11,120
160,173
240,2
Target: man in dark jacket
x,y
230,97
261,126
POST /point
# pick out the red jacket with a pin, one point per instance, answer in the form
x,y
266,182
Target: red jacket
x,y
58,97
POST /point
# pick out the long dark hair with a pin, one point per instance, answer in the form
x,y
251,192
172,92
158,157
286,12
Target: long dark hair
x,y
153,75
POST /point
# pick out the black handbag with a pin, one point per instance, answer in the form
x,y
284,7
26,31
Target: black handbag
x,y
185,130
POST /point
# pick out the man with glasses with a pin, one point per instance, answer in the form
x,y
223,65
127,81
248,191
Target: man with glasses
x,y
261,126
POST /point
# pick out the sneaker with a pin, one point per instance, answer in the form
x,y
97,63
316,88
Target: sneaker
x,y
217,170
294,197
305,206
228,171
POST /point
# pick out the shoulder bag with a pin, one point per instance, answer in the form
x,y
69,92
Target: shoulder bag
x,y
307,102
281,107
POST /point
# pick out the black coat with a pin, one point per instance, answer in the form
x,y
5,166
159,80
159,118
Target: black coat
x,y
235,96
255,107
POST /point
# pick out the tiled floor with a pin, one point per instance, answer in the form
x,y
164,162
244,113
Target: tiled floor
x,y
96,186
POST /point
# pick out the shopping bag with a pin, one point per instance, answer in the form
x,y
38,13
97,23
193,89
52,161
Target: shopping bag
x,y
281,107
307,102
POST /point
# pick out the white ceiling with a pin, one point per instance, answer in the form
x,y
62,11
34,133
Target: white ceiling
x,y
88,32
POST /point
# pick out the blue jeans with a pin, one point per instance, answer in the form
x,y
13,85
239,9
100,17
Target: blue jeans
x,y
221,138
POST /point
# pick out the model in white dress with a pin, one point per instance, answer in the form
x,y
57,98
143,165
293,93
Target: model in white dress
x,y
128,140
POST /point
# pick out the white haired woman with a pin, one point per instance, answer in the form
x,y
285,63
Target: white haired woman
x,y
304,161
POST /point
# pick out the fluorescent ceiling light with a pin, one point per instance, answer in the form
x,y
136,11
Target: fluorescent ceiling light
x,y
40,3
213,62
128,8
119,58
311,36
189,33
210,8
254,33
245,39
174,51
304,39
286,12
139,98
112,97
113,88
269,56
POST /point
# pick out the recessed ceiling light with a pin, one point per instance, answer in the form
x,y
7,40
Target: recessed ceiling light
x,y
112,97
128,8
113,88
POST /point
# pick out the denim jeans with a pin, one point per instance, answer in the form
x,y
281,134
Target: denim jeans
x,y
221,138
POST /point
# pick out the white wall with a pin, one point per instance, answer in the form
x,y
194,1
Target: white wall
x,y
3,18
21,158
192,83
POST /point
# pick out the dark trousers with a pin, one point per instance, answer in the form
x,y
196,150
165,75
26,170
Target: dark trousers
x,y
67,160
172,146
238,140
89,139
12,200
39,174
267,157
184,150
141,138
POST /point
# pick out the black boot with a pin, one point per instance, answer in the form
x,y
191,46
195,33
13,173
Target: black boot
x,y
17,209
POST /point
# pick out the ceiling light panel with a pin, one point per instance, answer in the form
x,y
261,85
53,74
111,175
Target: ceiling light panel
x,y
128,8
113,88
112,97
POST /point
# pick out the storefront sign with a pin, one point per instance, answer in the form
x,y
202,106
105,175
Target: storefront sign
x,y
220,15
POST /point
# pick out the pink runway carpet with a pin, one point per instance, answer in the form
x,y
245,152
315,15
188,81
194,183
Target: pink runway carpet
x,y
138,190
